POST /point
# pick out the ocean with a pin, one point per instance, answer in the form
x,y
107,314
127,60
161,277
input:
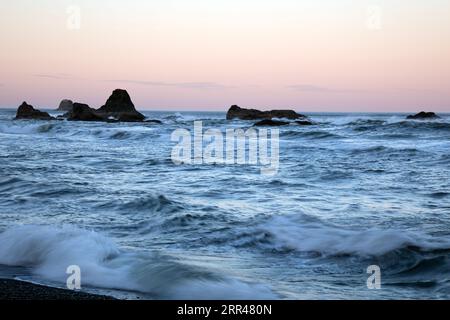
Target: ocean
x,y
353,191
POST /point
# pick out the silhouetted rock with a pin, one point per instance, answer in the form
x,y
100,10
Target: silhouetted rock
x,y
253,114
128,116
82,112
26,111
304,123
423,116
269,122
65,105
120,107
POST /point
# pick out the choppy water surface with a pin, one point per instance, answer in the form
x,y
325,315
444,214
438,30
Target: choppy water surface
x,y
353,191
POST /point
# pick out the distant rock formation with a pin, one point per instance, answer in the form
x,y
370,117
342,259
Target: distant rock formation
x,y
119,106
253,114
26,111
269,122
65,105
423,116
82,112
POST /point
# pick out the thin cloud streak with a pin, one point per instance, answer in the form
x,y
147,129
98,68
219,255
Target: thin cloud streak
x,y
184,85
395,91
318,89
58,76
309,88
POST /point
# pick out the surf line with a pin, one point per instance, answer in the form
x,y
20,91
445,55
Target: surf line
x,y
194,311
237,146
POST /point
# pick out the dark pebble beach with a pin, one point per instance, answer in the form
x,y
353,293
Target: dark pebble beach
x,y
19,290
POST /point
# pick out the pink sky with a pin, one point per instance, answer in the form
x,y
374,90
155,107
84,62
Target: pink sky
x,y
348,55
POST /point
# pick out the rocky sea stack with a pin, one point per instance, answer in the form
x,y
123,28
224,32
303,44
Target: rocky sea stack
x,y
120,107
236,112
65,105
26,111
423,116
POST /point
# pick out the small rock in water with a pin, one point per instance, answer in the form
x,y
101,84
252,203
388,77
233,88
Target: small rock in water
x,y
253,114
26,111
423,116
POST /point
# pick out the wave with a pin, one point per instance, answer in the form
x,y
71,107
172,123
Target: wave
x,y
362,122
78,130
9,184
27,128
429,125
163,215
13,186
309,134
9,181
306,234
398,136
342,120
120,135
149,203
420,271
46,127
427,265
48,251
439,194
329,239
398,128
156,162
383,149
178,117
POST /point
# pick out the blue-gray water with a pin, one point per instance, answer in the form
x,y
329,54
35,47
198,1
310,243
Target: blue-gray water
x,y
353,191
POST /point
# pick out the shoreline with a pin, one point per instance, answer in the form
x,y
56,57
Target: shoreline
x,y
11,289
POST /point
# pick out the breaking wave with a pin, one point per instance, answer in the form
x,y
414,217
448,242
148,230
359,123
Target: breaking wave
x,y
50,250
303,233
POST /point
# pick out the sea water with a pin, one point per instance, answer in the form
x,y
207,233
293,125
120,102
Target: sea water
x,y
352,191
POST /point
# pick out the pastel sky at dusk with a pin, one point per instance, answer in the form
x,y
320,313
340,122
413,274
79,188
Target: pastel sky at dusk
x,y
309,55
